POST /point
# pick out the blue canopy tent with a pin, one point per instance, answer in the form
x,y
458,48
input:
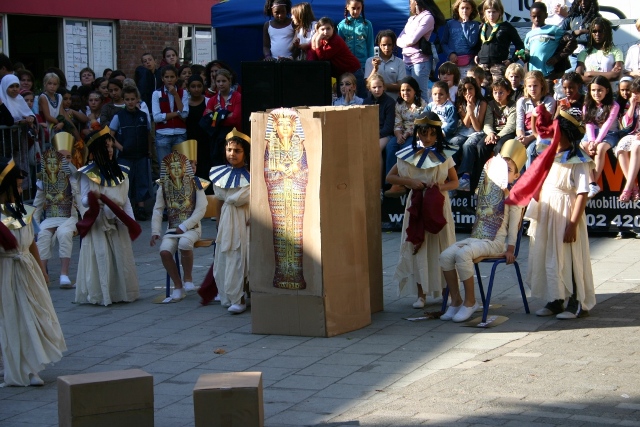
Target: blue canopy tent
x,y
239,23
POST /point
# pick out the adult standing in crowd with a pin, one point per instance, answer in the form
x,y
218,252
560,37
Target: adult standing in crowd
x,y
425,18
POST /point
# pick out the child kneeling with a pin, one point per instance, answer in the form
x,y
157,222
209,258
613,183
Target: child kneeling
x,y
496,224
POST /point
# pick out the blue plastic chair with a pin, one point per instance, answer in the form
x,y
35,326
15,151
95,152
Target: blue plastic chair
x,y
496,261
212,211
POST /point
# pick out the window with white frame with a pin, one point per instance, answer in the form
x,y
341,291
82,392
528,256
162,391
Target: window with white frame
x,y
87,43
196,44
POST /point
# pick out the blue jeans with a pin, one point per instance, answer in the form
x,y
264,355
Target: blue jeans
x,y
421,73
472,149
164,144
392,148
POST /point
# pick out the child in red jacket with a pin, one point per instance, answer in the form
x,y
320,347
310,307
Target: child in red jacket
x,y
327,45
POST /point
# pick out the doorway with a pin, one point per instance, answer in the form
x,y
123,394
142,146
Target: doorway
x,y
33,40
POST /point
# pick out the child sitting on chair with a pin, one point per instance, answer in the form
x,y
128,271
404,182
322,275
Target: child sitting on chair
x,y
182,194
495,226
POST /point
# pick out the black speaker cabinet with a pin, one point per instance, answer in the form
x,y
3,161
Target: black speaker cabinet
x,y
267,85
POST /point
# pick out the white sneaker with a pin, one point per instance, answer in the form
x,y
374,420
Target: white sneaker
x,y
189,286
593,190
217,298
465,313
35,380
419,303
451,311
237,308
65,282
178,294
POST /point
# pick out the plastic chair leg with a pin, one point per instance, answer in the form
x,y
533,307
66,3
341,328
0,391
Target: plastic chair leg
x,y
487,301
445,299
522,291
480,287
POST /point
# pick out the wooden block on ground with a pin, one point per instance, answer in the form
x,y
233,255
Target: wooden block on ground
x,y
231,399
106,399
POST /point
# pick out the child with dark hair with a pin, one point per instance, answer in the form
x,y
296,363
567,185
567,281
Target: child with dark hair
x,y
471,108
30,333
357,31
500,119
117,103
170,110
277,33
106,267
578,21
555,187
450,73
147,77
427,227
132,131
444,108
601,120
231,184
386,64
327,45
542,41
408,106
601,57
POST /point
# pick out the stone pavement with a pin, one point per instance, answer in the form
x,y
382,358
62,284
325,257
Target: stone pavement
x,y
528,371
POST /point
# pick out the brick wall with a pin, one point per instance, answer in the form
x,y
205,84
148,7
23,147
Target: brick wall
x,y
133,38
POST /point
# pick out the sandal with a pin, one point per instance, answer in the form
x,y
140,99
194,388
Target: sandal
x,y
635,193
625,196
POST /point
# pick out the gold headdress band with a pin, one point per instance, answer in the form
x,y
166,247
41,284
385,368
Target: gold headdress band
x,y
426,121
572,120
188,148
100,134
63,141
238,134
516,151
6,170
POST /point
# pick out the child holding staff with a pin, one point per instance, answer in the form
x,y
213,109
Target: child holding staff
x,y
427,228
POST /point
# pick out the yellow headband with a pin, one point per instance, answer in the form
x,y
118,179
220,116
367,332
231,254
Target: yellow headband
x,y
240,135
100,134
573,120
426,121
6,170
188,148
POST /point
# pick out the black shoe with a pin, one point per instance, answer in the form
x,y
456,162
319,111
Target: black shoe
x,y
140,214
553,307
574,310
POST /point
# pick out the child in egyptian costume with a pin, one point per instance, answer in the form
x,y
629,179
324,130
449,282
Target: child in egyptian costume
x,y
30,333
56,212
231,184
555,189
106,268
286,174
495,231
428,170
181,193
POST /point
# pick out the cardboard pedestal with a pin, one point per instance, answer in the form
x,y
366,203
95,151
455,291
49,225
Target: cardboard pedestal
x,y
229,400
341,235
106,399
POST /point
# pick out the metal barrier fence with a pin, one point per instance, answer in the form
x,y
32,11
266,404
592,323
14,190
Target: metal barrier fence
x,y
24,145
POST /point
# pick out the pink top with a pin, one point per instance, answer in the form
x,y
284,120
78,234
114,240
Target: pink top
x,y
417,27
610,124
